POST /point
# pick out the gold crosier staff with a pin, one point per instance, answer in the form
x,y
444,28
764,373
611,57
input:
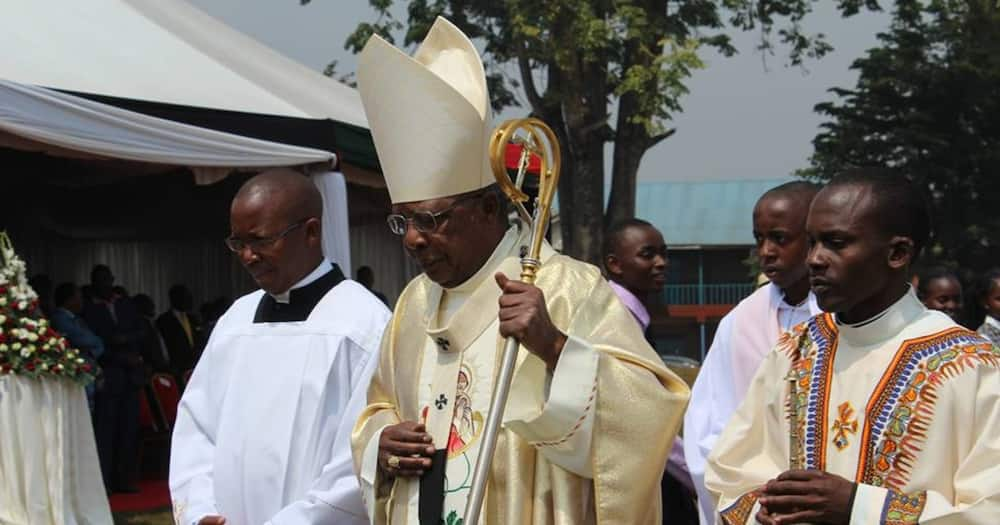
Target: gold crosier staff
x,y
537,139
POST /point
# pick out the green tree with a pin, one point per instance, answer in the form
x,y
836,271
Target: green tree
x,y
927,104
602,71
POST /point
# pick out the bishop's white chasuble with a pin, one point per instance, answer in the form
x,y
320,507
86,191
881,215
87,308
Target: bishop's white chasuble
x,y
907,405
567,451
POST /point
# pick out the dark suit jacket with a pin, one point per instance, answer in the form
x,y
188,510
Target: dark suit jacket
x,y
122,336
183,355
151,351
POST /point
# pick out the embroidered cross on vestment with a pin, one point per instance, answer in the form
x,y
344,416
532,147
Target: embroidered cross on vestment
x,y
441,402
845,424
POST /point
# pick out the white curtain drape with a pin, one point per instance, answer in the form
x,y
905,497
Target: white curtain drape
x,y
336,240
149,267
79,124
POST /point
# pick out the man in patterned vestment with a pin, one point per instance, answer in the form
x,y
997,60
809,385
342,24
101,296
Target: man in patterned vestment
x,y
877,411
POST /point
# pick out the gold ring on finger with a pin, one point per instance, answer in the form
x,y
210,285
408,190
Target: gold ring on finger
x,y
393,461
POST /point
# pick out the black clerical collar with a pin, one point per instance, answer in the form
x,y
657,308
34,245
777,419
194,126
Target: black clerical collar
x,y
301,301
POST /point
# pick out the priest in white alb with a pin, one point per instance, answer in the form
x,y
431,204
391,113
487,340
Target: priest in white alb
x,y
593,411
748,333
879,411
263,429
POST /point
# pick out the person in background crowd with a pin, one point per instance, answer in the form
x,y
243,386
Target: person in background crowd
x,y
154,351
42,285
989,299
748,333
939,289
87,294
635,260
181,331
210,313
67,321
114,319
366,277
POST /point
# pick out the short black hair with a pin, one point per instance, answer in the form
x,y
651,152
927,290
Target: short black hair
x,y
985,283
802,189
613,235
933,273
98,269
177,294
901,206
63,292
144,304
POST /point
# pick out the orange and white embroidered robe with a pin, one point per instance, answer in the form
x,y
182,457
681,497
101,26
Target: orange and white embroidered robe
x,y
906,405
585,444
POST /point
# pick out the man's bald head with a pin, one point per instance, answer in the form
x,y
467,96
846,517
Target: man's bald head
x,y
285,191
276,216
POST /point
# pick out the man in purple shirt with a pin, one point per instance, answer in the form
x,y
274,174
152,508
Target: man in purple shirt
x,y
635,260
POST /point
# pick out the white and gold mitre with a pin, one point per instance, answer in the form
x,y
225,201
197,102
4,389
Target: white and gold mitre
x,y
429,114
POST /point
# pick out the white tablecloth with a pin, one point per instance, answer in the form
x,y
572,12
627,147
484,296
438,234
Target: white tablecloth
x,y
49,471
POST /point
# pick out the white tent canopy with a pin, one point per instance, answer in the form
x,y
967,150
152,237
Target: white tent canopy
x,y
42,120
82,125
162,51
166,52
86,80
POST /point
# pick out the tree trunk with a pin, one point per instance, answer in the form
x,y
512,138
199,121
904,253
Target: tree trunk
x,y
585,221
630,144
632,139
578,114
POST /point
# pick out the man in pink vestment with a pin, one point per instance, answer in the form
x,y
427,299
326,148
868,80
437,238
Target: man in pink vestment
x,y
749,331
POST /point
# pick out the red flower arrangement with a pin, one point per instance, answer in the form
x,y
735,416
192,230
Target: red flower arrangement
x,y
29,347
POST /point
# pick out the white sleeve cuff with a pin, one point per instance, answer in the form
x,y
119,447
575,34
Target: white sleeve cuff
x,y
868,503
558,420
369,473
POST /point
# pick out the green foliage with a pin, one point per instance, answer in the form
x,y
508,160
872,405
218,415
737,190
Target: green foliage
x,y
578,62
602,31
927,104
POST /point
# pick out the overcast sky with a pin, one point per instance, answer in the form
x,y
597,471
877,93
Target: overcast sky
x,y
742,119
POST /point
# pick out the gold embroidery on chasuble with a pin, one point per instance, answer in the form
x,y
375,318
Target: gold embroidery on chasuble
x,y
845,424
812,347
458,371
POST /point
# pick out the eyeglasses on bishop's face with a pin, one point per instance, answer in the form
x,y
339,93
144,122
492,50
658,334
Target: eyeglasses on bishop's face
x,y
260,243
425,221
